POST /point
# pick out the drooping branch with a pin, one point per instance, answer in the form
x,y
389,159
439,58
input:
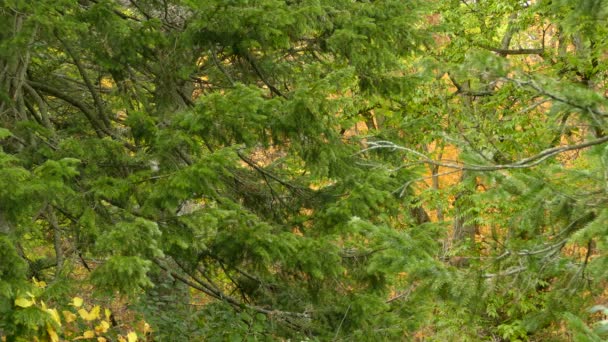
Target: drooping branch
x,y
265,173
96,98
555,97
99,128
84,108
260,74
217,294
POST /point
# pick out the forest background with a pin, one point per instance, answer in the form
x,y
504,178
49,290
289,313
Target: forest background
x,y
305,170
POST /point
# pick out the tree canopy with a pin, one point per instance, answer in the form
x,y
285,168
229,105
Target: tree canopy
x,y
256,170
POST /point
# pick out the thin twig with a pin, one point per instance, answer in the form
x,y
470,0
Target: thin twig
x,y
521,164
341,322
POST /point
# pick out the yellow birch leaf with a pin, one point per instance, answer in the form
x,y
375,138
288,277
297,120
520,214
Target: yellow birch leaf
x,y
55,314
39,284
69,317
77,302
23,303
83,313
121,339
107,313
53,337
90,316
102,327
132,337
88,334
101,339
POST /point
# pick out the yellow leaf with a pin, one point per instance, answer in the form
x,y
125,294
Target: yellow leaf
x,y
52,334
23,303
88,334
55,315
102,327
69,317
90,316
132,337
121,339
101,339
77,302
40,284
107,313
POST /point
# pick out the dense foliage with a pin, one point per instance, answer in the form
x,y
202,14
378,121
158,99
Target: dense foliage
x,y
305,170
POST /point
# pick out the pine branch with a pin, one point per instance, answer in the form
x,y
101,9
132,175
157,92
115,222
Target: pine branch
x,y
555,97
217,294
258,72
84,108
96,98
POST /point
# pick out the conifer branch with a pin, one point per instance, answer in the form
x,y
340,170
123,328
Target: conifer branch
x,y
558,98
96,98
85,109
258,72
217,294
88,112
266,173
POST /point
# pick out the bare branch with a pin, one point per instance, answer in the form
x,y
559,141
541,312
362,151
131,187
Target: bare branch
x,y
521,164
56,240
510,271
504,52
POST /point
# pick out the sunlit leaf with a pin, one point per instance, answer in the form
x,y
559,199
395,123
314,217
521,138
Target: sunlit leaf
x,y
40,284
23,302
132,337
102,327
55,314
69,316
52,334
88,334
77,302
90,315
